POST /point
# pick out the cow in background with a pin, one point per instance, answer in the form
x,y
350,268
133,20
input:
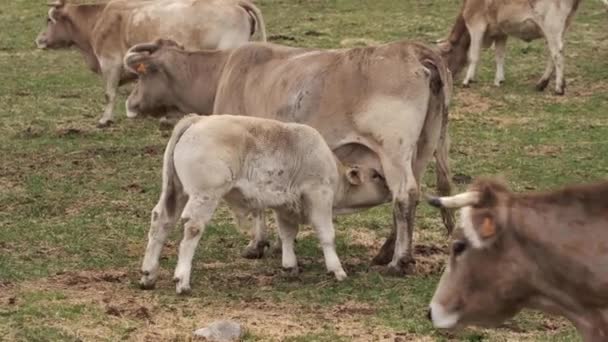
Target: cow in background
x,y
482,23
104,32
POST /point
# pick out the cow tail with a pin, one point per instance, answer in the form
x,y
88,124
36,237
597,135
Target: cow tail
x,y
441,91
255,12
171,183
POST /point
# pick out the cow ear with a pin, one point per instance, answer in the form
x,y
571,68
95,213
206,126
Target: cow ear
x,y
138,63
353,174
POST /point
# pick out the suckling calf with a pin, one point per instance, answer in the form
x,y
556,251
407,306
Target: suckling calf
x,y
253,163
545,251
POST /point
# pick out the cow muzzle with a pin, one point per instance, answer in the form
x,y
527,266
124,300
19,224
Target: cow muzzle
x,y
41,42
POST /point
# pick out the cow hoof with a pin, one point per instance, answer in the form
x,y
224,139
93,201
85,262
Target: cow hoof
x,y
402,268
498,83
541,85
292,272
256,251
385,255
104,124
560,91
145,283
340,275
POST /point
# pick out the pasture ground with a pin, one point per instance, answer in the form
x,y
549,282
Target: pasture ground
x,y
75,200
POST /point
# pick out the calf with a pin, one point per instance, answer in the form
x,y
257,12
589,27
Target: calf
x,y
104,32
384,107
253,163
483,22
546,251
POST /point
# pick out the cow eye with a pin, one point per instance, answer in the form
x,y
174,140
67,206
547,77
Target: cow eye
x,y
458,247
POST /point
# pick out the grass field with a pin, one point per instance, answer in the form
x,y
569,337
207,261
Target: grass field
x,y
75,200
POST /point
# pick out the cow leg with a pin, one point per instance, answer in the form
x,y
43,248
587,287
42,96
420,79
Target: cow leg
x,y
403,185
288,229
111,77
544,80
500,47
554,34
474,53
196,215
321,202
259,239
164,218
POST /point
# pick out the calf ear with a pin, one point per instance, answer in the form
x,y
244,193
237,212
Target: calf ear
x,y
353,174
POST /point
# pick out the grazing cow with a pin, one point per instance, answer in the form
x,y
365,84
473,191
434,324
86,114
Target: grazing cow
x,y
545,251
483,22
104,32
253,163
383,107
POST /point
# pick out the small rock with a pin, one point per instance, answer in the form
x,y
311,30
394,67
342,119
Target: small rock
x,y
221,331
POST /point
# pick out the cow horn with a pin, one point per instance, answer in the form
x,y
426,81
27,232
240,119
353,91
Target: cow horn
x,y
146,47
464,199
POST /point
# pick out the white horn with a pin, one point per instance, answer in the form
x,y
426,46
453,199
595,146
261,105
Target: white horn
x,y
51,12
457,201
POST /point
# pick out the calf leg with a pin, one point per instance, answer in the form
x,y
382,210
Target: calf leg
x,y
321,203
164,217
500,45
288,229
474,53
544,80
196,215
111,77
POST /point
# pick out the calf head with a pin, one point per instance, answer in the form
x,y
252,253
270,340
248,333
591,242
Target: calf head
x,y
483,283
364,187
59,31
154,93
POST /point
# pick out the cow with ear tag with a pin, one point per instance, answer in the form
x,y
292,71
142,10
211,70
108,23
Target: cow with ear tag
x,y
546,251
103,32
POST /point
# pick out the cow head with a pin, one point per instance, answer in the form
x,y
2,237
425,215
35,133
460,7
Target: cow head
x,y
483,283
58,31
364,187
154,90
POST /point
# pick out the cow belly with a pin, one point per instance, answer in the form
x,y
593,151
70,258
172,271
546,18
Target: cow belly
x,y
526,30
260,194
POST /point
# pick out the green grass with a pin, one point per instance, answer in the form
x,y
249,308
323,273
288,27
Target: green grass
x,y
75,200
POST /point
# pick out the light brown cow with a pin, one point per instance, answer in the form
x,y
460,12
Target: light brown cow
x,y
545,251
104,32
384,107
483,22
253,164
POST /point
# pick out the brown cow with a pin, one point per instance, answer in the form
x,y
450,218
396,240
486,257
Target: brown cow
x,y
384,107
545,251
483,22
104,32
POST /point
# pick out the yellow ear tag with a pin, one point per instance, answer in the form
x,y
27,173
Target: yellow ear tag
x,y
141,68
488,229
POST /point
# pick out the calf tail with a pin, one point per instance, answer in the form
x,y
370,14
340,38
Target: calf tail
x,y
171,183
256,14
441,91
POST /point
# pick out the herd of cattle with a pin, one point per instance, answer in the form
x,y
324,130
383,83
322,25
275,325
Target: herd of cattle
x,y
313,133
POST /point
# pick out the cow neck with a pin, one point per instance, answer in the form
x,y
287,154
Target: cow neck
x,y
548,268
201,77
455,50
84,18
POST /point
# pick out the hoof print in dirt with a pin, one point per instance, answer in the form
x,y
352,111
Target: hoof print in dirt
x,y
221,331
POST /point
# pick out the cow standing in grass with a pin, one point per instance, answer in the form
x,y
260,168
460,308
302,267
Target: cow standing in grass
x,y
253,164
383,107
483,22
546,251
104,32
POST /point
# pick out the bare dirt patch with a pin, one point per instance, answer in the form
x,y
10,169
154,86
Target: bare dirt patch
x,y
470,101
